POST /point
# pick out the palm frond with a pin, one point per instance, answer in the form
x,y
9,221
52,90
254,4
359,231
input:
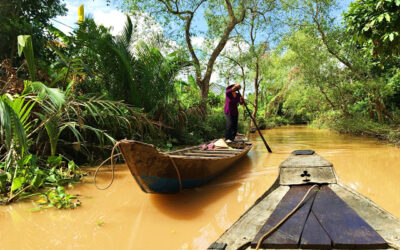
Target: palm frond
x,y
126,36
54,95
25,46
11,125
58,33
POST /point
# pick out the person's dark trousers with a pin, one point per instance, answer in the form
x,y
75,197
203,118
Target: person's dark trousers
x,y
231,126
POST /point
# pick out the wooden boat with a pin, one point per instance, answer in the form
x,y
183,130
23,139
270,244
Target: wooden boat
x,y
334,217
159,172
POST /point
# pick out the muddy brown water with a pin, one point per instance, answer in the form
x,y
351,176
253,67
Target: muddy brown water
x,y
123,217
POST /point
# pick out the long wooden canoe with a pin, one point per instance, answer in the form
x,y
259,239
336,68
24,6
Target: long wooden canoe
x,y
159,172
333,215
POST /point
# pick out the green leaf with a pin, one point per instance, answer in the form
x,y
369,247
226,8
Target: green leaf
x,y
60,76
51,178
54,161
378,4
37,181
56,96
25,45
72,166
387,16
58,33
391,37
17,183
3,181
24,161
11,125
53,133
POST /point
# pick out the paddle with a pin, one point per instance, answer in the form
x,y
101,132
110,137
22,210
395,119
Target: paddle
x,y
255,124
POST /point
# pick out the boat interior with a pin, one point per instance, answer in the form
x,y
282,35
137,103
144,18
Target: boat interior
x,y
235,148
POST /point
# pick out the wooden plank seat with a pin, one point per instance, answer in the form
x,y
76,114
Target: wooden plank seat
x,y
230,152
225,149
207,154
216,151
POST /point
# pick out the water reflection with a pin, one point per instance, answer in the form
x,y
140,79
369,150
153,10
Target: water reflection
x,y
191,203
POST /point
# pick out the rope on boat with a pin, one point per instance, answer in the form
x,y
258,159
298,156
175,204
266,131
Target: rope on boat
x,y
177,172
139,179
112,167
284,219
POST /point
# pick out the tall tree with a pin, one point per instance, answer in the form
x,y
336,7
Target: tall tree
x,y
221,17
257,31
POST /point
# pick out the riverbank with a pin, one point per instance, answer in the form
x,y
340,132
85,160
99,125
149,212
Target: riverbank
x,y
361,126
358,126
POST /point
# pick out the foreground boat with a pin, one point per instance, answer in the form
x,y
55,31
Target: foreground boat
x,y
158,172
334,217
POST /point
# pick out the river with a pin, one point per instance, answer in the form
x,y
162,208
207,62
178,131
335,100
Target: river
x,y
123,217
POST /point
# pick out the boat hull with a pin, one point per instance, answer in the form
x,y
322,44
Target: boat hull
x,y
171,185
157,172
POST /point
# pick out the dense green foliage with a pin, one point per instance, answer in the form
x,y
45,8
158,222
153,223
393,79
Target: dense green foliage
x,y
27,17
320,73
376,25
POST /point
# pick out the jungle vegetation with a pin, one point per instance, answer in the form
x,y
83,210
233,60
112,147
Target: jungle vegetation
x,y
66,98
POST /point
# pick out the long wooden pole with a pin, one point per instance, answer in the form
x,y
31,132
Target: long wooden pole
x,y
259,132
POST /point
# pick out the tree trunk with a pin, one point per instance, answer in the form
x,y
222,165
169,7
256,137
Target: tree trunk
x,y
378,113
256,91
204,82
244,90
371,111
187,16
380,108
326,97
261,99
204,96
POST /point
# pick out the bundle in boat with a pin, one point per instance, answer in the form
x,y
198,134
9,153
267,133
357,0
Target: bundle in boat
x,y
309,208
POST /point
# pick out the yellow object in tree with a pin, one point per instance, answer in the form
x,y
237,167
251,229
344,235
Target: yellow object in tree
x,y
81,14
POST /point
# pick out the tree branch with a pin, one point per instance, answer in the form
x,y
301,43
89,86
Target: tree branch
x,y
180,14
224,39
191,49
187,16
330,50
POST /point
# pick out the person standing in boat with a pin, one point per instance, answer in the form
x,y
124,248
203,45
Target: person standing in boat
x,y
232,99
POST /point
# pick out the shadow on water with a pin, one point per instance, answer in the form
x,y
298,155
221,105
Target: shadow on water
x,y
190,202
